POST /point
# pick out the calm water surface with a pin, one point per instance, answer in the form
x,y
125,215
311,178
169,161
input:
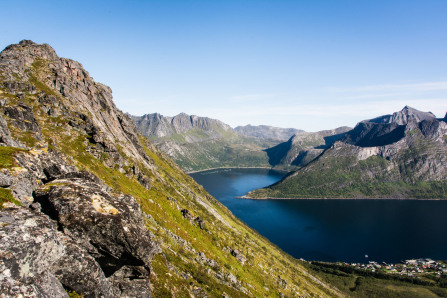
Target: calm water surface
x,y
333,230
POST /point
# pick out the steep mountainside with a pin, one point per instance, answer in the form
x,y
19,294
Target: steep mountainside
x,y
303,147
90,207
159,126
399,156
267,132
198,143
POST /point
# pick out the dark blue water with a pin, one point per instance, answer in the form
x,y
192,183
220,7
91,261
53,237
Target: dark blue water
x,y
334,230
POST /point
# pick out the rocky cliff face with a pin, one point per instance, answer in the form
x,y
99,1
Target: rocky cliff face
x,y
267,132
90,207
198,143
160,126
400,156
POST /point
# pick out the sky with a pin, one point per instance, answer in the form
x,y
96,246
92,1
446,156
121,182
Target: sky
x,y
307,64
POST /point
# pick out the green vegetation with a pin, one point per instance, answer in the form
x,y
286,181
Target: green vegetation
x,y
345,177
361,283
200,149
7,156
73,294
6,196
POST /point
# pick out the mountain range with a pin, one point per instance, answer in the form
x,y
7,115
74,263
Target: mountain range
x,y
403,155
200,143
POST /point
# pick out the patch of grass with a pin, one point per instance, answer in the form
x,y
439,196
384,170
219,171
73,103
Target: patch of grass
x,y
73,294
7,156
6,196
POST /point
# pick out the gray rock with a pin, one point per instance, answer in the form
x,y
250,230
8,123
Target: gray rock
x,y
407,114
200,222
78,271
28,248
5,179
187,214
238,255
110,227
23,118
5,135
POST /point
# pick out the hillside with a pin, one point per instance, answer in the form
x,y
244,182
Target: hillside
x,y
198,143
90,207
402,155
303,147
267,132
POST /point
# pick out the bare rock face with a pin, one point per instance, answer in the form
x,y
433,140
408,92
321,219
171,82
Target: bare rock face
x,y
108,226
23,118
5,135
78,271
29,246
162,126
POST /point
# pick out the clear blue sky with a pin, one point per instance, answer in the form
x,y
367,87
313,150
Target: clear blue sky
x,y
306,64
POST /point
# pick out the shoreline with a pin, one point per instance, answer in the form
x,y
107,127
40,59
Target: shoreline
x,y
229,168
389,199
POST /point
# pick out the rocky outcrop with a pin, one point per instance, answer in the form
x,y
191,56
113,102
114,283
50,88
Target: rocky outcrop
x,y
5,135
109,227
61,77
104,248
238,255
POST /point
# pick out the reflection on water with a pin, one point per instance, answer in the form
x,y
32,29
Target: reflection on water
x,y
333,230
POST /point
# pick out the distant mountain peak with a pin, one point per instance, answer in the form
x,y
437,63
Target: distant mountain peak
x,y
404,116
267,132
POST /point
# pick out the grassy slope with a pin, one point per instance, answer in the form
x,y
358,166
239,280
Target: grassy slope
x,y
333,176
176,271
229,150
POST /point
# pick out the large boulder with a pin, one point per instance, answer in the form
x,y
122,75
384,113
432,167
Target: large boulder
x,y
110,227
